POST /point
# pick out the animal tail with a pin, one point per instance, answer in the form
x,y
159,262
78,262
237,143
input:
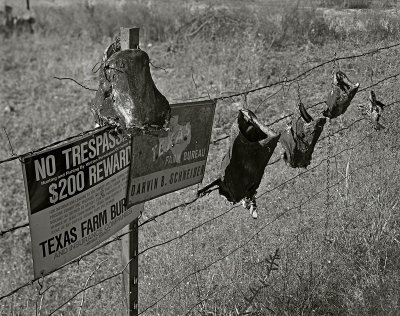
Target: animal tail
x,y
207,189
304,114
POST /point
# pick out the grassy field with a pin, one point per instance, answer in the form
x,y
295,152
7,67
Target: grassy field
x,y
339,248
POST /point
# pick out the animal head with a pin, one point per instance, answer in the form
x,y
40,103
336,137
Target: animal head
x,y
251,146
127,95
375,110
343,82
252,128
298,142
372,97
340,96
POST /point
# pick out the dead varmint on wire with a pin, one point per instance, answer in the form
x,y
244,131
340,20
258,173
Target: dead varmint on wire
x,y
251,147
252,143
375,111
127,96
339,98
300,137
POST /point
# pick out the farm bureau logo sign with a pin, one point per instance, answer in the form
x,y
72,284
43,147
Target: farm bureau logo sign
x,y
176,158
179,137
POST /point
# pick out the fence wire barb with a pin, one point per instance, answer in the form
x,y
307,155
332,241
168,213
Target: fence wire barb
x,y
9,230
9,142
185,204
72,79
277,83
188,203
82,290
286,116
299,76
260,195
191,230
251,238
52,144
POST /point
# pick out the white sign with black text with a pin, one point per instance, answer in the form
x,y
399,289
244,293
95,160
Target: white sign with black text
x,y
76,196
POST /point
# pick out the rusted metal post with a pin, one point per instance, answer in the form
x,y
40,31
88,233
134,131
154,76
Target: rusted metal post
x,y
130,275
129,38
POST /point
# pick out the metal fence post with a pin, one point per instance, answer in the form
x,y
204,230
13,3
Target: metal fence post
x,y
129,38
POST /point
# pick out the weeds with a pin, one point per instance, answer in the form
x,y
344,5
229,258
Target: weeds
x,y
171,23
224,48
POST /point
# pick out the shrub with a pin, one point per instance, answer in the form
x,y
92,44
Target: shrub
x,y
290,25
157,23
350,4
357,4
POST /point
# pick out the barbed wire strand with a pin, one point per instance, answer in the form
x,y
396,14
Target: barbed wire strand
x,y
14,228
195,268
241,245
285,81
82,290
151,219
78,83
282,214
286,116
53,144
260,195
198,226
9,142
294,238
322,102
280,82
184,204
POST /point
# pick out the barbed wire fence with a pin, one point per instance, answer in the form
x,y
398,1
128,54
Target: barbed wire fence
x,y
255,233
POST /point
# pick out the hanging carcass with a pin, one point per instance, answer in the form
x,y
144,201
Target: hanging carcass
x,y
242,168
339,98
127,96
375,111
300,137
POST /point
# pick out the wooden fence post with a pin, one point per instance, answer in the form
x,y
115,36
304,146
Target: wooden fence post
x,y
129,38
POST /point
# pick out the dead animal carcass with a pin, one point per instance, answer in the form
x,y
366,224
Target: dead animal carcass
x,y
300,137
251,146
375,111
127,96
339,98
